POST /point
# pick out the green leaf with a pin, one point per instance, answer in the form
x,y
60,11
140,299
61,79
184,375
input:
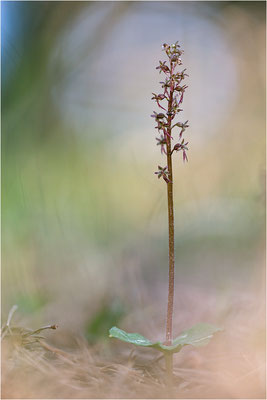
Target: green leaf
x,y
134,338
198,335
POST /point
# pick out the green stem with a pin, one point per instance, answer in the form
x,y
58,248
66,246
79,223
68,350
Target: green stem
x,y
169,370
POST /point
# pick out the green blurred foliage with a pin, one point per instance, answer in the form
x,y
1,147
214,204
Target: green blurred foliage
x,y
109,314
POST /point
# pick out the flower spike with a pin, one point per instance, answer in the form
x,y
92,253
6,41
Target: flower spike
x,y
173,95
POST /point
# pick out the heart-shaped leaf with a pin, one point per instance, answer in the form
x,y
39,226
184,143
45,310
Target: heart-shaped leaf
x,y
134,338
198,335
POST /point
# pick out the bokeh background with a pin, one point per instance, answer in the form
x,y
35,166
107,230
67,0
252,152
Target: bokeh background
x,y
84,219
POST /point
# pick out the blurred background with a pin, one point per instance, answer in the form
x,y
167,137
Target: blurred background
x,y
84,218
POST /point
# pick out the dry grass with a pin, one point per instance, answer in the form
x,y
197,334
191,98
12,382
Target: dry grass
x,y
232,366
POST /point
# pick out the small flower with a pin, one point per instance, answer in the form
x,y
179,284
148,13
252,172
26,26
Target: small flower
x,y
182,125
175,106
158,116
166,84
158,97
161,126
181,98
163,67
181,146
180,89
184,156
164,173
173,49
162,142
166,47
175,59
179,76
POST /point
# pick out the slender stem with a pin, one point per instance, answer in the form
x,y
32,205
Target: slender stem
x,y
171,225
169,368
169,357
173,93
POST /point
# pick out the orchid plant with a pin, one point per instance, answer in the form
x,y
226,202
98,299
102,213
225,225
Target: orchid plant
x,y
169,101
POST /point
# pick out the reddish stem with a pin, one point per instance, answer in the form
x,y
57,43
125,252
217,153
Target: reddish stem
x,y
170,222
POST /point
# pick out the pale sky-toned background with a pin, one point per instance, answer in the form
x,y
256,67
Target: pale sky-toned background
x,y
81,203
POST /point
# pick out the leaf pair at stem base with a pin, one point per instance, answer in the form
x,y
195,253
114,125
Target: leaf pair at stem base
x,y
199,335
